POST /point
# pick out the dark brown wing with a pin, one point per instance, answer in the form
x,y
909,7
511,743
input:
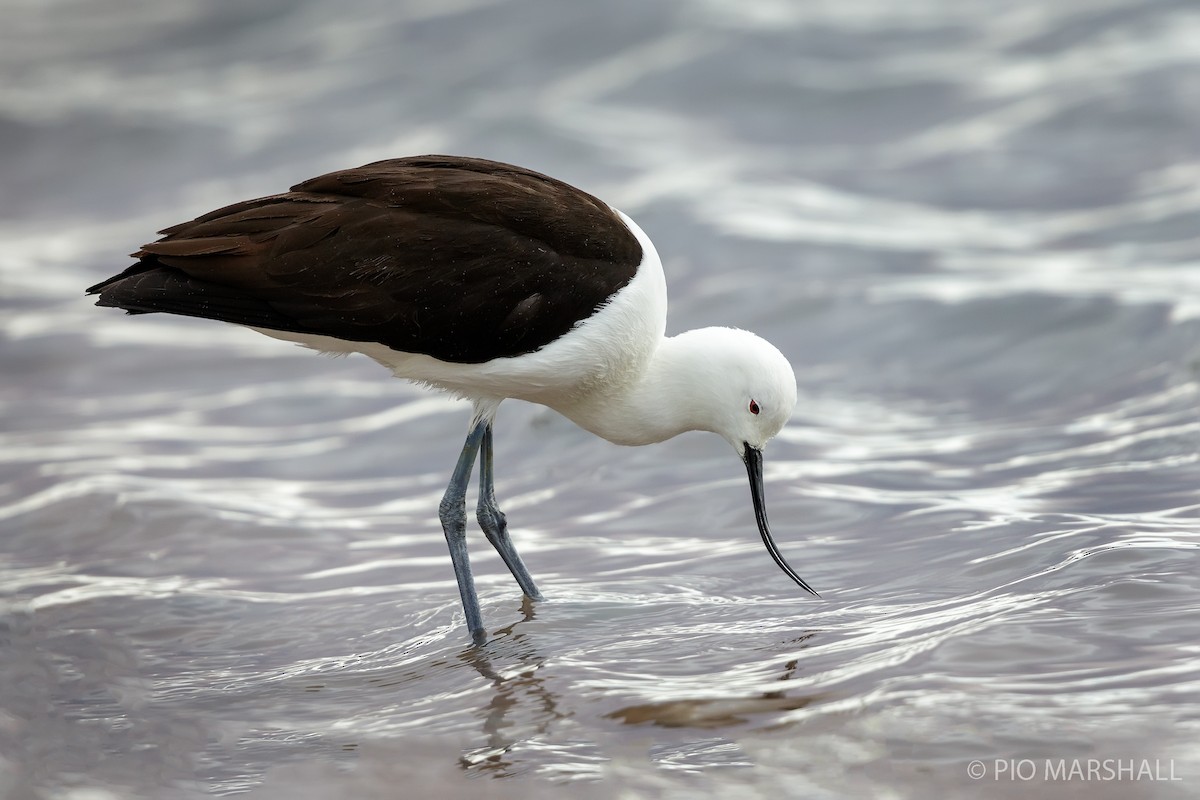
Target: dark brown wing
x,y
461,259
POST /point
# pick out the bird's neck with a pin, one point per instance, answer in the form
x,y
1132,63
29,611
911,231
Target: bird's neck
x,y
660,402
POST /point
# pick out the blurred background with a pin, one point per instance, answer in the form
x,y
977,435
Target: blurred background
x,y
974,228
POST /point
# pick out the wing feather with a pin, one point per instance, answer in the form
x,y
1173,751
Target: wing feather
x,y
462,259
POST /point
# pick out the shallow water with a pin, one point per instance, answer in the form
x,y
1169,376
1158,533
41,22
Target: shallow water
x,y
973,229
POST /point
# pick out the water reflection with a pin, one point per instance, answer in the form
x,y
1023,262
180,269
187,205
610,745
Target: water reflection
x,y
523,712
707,713
521,706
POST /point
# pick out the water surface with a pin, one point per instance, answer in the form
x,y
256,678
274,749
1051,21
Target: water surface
x,y
972,228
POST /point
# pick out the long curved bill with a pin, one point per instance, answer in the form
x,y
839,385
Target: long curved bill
x,y
754,464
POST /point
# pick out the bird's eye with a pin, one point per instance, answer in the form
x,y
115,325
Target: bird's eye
x,y
754,409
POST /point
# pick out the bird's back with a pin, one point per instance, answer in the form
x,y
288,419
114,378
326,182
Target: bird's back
x,y
460,259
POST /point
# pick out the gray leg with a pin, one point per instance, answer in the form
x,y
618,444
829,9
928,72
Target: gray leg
x,y
494,524
453,514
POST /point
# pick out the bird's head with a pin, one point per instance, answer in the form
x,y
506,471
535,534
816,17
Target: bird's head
x,y
747,390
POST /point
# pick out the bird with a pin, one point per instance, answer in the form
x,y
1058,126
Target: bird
x,y
487,281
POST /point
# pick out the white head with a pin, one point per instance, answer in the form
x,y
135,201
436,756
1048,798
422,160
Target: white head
x,y
745,390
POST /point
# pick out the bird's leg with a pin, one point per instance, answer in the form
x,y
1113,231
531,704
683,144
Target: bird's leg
x,y
453,514
493,521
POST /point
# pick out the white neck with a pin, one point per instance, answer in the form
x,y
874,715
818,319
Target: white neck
x,y
663,401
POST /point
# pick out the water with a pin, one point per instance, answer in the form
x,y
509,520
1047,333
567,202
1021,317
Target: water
x,y
973,229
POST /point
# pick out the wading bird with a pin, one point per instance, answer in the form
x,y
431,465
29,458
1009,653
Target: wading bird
x,y
488,281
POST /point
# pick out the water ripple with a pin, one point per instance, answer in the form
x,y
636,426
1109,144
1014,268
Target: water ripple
x,y
971,228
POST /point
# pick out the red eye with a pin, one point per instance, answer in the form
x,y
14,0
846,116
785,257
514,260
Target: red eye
x,y
754,409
